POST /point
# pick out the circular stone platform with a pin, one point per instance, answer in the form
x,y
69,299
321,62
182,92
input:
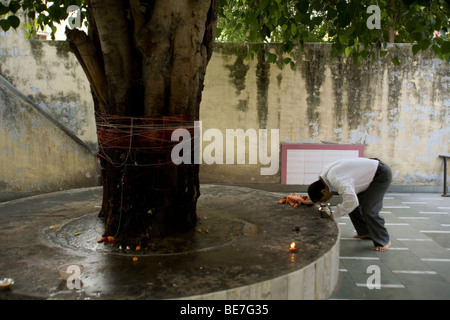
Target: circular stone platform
x,y
239,250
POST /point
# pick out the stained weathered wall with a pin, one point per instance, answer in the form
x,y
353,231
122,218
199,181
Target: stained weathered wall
x,y
37,154
50,75
400,113
47,129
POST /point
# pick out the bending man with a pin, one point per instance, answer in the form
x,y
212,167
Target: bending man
x,y
362,184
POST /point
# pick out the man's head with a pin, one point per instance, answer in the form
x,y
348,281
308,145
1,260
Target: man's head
x,y
319,192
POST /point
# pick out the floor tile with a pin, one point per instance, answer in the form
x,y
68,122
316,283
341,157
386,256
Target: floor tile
x,y
417,266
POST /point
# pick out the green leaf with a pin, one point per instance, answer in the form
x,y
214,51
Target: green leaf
x,y
419,36
342,39
4,24
292,65
332,32
347,51
13,21
415,48
31,14
271,57
256,47
293,29
316,21
360,27
436,49
263,4
411,26
253,37
302,6
345,18
14,6
3,10
396,61
424,44
287,60
364,54
287,46
383,53
332,13
445,47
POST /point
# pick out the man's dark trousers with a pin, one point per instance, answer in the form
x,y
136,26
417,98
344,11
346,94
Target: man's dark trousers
x,y
366,217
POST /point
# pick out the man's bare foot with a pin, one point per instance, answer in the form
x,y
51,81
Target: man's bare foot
x,y
385,248
364,236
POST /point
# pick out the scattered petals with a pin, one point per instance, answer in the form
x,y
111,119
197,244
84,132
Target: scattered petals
x,y
296,200
105,240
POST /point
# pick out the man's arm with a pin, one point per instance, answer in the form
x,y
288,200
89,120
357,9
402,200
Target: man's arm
x,y
349,198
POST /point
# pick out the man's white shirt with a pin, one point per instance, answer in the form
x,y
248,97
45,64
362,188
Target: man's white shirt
x,y
348,177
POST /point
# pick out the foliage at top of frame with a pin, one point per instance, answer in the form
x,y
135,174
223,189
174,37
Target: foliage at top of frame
x,y
291,23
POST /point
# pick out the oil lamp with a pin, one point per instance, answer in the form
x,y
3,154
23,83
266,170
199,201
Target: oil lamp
x,y
293,247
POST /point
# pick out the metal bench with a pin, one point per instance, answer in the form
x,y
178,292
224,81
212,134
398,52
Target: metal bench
x,y
445,156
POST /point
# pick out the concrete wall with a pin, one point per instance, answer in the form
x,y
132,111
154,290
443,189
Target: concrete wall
x,y
37,154
400,113
47,128
49,74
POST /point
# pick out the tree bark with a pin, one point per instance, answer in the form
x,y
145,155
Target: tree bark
x,y
146,62
145,194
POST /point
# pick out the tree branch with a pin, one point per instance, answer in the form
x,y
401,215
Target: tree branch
x,y
120,63
90,61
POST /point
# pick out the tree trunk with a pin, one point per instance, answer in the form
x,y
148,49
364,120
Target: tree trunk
x,y
146,62
145,194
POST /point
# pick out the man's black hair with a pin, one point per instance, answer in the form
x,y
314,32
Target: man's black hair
x,y
315,190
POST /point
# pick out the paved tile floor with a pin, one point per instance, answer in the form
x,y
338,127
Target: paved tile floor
x,y
417,266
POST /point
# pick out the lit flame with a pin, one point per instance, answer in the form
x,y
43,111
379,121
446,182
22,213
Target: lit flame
x,y
293,247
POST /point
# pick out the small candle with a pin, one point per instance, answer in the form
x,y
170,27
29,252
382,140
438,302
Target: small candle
x,y
293,247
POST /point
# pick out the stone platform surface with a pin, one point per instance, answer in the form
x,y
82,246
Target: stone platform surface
x,y
239,250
